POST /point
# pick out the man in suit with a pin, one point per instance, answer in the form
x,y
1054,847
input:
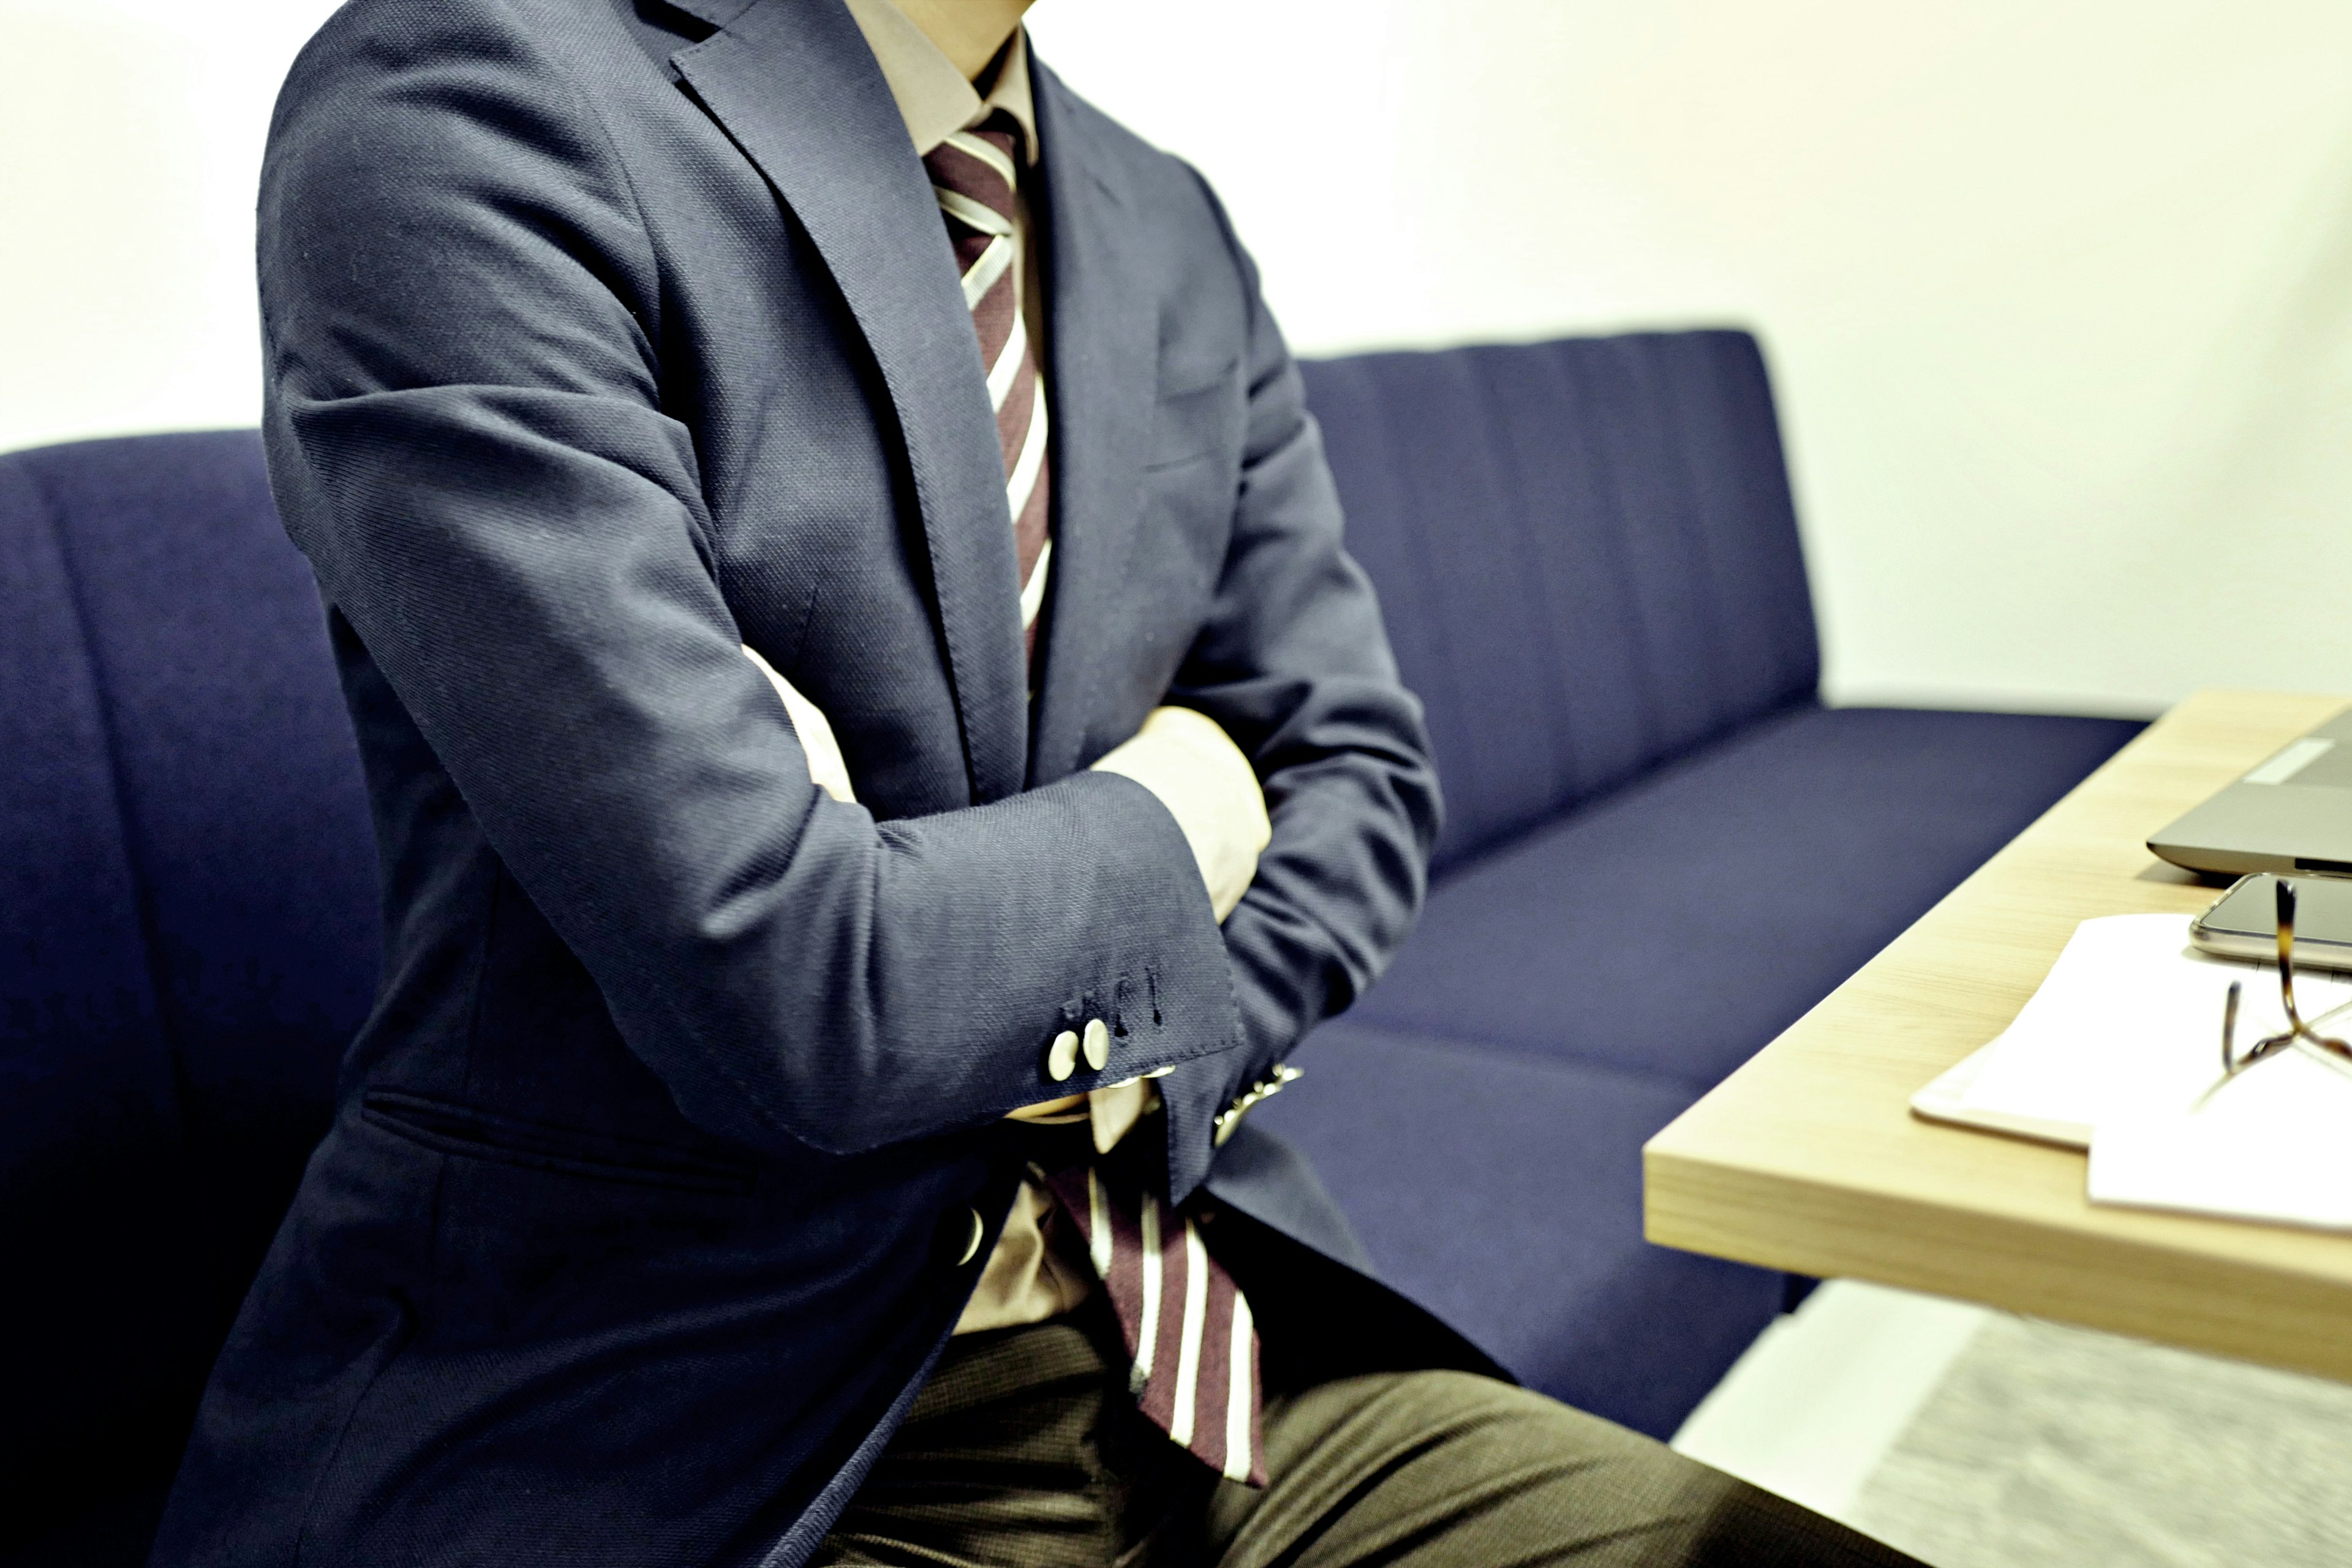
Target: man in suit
x,y
878,753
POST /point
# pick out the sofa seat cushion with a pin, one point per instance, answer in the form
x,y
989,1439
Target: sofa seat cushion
x,y
1504,1192
1676,927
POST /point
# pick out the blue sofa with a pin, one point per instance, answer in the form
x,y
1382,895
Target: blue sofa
x,y
1661,849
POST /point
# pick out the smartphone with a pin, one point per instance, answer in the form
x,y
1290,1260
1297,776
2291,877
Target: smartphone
x,y
2243,922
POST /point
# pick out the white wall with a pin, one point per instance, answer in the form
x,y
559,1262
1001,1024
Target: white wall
x,y
2059,297
131,134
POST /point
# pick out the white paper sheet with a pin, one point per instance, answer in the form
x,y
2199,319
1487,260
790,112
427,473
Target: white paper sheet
x,y
2118,1051
1943,1099
2273,1143
2128,1021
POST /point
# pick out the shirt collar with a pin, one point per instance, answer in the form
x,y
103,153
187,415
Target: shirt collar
x,y
933,98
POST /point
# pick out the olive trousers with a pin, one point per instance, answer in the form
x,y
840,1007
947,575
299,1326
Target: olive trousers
x,y
1025,1451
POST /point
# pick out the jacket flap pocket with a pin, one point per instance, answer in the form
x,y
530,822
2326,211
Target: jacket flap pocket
x,y
454,1129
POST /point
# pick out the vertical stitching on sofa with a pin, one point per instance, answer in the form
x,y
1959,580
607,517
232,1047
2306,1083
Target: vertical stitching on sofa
x,y
1606,358
1653,376
1771,486
1412,521
1530,579
1678,417
1739,557
1458,373
1440,571
1604,595
167,1024
1669,591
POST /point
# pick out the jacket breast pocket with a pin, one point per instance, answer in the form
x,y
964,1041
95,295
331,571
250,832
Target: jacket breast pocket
x,y
1195,417
466,1131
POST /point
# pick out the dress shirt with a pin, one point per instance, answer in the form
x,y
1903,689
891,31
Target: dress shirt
x,y
1037,1271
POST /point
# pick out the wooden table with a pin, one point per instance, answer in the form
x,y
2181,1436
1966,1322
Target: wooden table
x,y
1809,1159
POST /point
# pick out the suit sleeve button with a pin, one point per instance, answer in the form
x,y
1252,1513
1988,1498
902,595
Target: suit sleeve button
x,y
1098,1044
1062,1057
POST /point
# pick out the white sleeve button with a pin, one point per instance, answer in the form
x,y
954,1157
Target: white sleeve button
x,y
1062,1057
1098,1044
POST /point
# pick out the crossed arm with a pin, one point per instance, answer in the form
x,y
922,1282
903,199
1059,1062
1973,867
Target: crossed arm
x,y
1189,765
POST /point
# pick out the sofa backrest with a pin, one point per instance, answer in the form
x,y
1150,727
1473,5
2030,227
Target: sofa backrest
x,y
1585,551
188,935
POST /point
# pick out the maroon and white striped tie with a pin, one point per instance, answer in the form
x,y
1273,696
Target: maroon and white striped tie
x,y
973,174
1190,1342
1190,1337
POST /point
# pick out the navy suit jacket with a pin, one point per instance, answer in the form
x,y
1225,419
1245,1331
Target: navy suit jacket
x,y
603,337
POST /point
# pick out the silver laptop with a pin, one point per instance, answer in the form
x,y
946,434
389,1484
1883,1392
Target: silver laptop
x,y
2291,814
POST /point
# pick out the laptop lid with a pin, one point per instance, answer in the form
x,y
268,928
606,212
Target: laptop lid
x,y
2292,812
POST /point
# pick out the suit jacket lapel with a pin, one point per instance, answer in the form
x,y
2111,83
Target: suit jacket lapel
x,y
793,83
1103,353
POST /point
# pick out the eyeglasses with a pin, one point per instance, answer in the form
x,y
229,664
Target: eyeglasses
x,y
2296,1031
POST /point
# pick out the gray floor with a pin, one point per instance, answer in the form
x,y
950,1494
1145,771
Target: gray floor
x,y
2051,1444
1974,1440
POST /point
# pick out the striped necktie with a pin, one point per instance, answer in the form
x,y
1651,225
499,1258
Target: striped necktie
x,y
973,174
1190,1341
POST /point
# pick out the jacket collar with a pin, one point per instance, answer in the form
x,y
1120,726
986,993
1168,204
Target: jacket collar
x,y
793,83
717,13
1102,354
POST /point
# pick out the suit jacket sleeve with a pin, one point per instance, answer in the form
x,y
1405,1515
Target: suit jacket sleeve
x,y
467,438
1294,663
